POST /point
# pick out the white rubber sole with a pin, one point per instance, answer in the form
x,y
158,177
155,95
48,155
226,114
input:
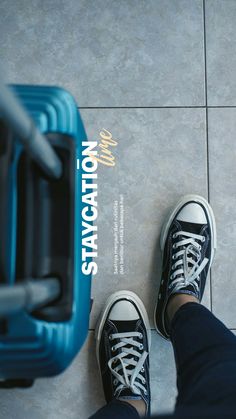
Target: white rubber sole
x,y
169,220
130,296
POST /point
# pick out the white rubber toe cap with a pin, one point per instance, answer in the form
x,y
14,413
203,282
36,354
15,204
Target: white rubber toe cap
x,y
123,310
192,213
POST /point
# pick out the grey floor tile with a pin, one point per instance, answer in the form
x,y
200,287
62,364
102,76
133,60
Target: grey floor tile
x,y
163,375
222,153
220,48
161,155
107,53
77,393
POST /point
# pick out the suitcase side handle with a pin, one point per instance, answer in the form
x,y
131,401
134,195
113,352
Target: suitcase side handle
x,y
23,126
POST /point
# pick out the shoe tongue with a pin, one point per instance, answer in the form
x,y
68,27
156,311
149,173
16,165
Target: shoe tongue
x,y
190,227
127,326
188,290
127,394
124,325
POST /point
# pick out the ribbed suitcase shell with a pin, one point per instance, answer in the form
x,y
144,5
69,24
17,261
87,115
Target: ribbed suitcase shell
x,y
35,348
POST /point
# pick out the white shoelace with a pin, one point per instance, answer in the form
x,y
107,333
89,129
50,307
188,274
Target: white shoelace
x,y
187,268
125,375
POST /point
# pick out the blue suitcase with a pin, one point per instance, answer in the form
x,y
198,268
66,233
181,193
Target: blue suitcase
x,y
40,234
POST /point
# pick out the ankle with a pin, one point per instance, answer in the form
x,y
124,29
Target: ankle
x,y
139,405
176,301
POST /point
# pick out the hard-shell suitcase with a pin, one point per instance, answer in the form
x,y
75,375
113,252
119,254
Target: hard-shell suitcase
x,y
40,238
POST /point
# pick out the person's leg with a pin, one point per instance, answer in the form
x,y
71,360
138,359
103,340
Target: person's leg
x,y
205,353
116,410
123,341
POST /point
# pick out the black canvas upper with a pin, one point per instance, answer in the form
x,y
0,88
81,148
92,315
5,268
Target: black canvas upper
x,y
164,293
105,354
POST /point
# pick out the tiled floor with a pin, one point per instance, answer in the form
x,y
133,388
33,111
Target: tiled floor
x,y
160,75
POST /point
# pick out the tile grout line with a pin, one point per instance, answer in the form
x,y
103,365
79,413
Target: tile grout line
x,y
159,107
142,107
207,131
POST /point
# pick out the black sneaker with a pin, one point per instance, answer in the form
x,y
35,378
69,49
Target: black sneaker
x,y
123,344
188,243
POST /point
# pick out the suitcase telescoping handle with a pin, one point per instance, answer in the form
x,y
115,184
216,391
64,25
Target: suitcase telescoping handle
x,y
25,129
32,293
28,295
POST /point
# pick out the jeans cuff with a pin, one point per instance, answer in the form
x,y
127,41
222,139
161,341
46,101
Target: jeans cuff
x,y
179,312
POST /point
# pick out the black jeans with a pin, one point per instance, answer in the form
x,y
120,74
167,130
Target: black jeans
x,y
205,355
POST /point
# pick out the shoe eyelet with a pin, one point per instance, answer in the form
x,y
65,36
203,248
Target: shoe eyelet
x,y
144,381
145,392
140,336
203,239
110,337
174,236
174,257
174,246
142,369
115,382
141,347
113,349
